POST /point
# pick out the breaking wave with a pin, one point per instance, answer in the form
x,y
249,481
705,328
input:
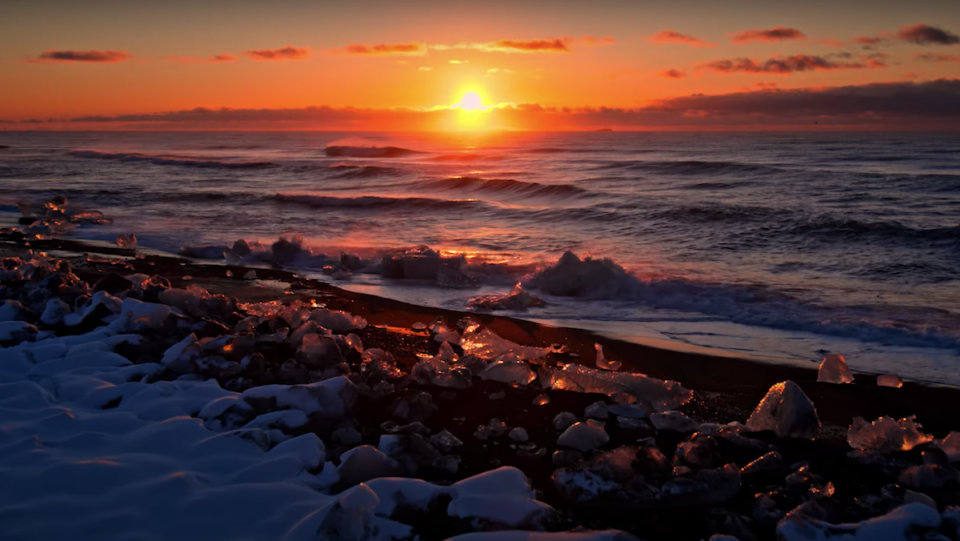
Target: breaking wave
x,y
368,152
168,160
504,186
603,279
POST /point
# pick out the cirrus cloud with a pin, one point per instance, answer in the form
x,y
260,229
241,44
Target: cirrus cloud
x,y
104,57
284,53
386,49
672,36
775,34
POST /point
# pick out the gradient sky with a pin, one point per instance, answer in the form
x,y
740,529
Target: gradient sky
x,y
550,64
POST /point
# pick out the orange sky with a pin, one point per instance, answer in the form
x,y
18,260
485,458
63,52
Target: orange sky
x,y
64,60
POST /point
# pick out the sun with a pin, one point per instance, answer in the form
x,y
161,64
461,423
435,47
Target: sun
x,y
471,101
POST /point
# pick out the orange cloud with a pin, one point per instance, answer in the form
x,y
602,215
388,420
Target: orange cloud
x,y
549,45
386,48
671,36
783,65
773,34
673,74
529,46
893,104
284,53
106,57
198,60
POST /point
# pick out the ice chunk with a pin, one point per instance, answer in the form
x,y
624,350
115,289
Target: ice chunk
x,y
886,435
509,372
660,395
541,400
364,463
11,311
630,411
319,351
418,326
603,363
708,488
584,436
834,369
451,336
486,345
889,380
139,316
786,411
673,420
591,278
495,427
910,522
348,436
337,321
127,241
518,299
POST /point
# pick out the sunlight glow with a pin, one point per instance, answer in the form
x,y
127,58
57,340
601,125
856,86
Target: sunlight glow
x,y
471,101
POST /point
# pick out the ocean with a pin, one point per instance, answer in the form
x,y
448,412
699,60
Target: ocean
x,y
778,246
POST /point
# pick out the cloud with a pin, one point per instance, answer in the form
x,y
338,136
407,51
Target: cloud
x,y
673,74
284,53
106,57
548,45
458,61
892,105
671,36
555,45
386,48
928,100
938,57
922,34
773,34
494,71
783,65
202,60
424,68
871,41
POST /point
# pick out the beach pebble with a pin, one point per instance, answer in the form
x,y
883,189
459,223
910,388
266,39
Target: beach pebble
x,y
563,420
675,421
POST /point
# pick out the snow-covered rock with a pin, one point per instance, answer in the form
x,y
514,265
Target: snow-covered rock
x,y
911,522
584,436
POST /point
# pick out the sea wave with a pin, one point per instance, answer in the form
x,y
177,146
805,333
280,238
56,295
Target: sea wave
x,y
363,171
374,202
368,152
603,279
503,186
688,167
169,160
